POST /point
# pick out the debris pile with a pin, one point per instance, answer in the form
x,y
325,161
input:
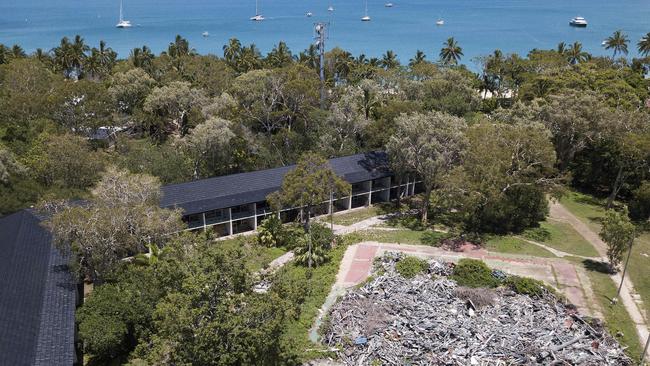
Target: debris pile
x,y
430,320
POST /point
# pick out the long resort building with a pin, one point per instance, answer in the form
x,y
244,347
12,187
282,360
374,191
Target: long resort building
x,y
234,204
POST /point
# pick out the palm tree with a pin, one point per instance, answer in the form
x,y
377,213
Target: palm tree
x,y
280,56
575,54
4,54
451,52
250,59
142,57
42,56
361,59
618,42
232,52
389,60
18,52
309,57
154,255
69,57
561,48
180,47
418,58
644,45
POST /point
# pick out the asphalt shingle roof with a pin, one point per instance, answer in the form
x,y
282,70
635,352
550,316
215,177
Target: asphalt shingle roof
x,y
37,295
238,189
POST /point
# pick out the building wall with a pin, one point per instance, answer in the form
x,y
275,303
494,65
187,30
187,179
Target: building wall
x,y
229,221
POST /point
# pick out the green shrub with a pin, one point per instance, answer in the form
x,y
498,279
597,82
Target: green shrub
x,y
525,286
410,267
474,273
432,238
640,204
539,234
270,233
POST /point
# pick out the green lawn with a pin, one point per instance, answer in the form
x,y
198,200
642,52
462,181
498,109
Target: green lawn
x,y
259,256
512,245
587,208
590,211
401,236
353,217
561,236
616,318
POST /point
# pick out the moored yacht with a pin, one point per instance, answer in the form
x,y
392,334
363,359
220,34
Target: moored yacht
x,y
330,8
366,17
388,5
258,17
205,34
578,22
309,14
440,22
123,23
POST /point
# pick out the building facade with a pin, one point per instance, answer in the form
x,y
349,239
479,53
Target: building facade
x,y
236,203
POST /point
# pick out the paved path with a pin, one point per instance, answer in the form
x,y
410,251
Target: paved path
x,y
568,278
628,297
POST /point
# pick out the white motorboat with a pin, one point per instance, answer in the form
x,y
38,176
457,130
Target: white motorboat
x,y
388,5
309,14
205,34
258,17
366,17
578,22
440,22
123,23
330,8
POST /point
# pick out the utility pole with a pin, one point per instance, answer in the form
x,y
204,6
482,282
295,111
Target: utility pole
x,y
645,351
320,34
627,261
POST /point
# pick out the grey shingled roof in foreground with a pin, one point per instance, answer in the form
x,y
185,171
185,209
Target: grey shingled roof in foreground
x,y
37,295
238,189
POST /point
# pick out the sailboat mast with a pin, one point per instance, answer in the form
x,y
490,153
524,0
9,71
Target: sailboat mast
x,y
366,8
256,8
120,10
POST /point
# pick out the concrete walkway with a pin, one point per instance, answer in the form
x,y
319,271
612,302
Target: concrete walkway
x,y
628,297
569,278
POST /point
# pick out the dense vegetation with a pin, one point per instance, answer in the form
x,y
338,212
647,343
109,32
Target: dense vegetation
x,y
76,122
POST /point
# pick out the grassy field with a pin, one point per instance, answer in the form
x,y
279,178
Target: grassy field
x,y
562,236
259,256
401,236
590,211
587,208
353,217
512,245
617,320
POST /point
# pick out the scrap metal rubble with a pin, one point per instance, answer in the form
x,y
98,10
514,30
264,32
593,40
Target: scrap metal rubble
x,y
423,321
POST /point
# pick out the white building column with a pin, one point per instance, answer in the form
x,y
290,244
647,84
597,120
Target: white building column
x,y
205,227
350,201
369,202
229,221
254,215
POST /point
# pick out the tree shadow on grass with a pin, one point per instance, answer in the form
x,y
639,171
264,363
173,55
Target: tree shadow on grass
x,y
596,266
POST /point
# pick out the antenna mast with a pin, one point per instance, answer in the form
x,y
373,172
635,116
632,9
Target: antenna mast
x,y
320,31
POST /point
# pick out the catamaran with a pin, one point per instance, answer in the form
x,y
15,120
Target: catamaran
x,y
366,17
123,23
578,22
258,17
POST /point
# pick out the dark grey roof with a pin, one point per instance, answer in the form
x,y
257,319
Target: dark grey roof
x,y
237,189
37,295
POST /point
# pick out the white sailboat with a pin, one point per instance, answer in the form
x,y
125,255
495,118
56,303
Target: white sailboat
x,y
258,17
330,8
366,17
123,23
440,21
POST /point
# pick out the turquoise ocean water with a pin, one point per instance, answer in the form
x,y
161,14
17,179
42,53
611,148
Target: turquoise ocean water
x,y
480,26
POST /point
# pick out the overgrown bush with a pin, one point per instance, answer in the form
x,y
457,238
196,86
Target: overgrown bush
x,y
433,238
640,205
474,273
539,234
480,297
271,233
410,267
525,286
